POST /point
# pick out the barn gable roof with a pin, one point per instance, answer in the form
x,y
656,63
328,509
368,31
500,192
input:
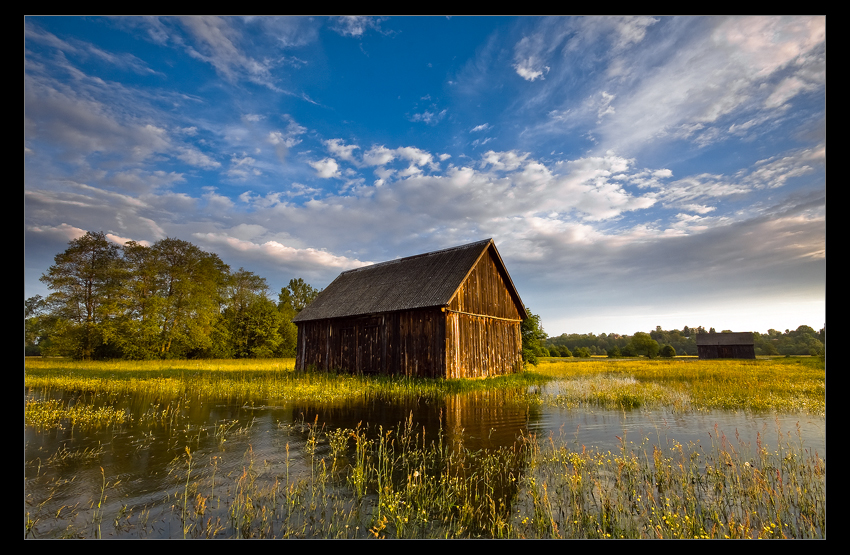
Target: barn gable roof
x,y
737,338
425,280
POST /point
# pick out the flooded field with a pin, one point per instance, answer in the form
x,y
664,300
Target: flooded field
x,y
503,462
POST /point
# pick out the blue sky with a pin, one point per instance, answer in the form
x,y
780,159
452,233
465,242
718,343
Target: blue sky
x,y
634,171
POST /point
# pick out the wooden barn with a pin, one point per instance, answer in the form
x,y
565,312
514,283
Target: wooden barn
x,y
726,345
452,313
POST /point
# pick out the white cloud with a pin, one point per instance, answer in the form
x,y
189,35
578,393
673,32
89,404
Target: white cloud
x,y
64,231
714,74
378,156
341,150
775,172
415,155
326,167
242,167
431,118
605,107
507,161
482,127
217,42
355,26
216,201
530,69
631,30
195,157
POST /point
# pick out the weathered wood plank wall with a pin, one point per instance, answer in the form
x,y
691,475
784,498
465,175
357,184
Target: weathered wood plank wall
x,y
478,346
408,343
485,292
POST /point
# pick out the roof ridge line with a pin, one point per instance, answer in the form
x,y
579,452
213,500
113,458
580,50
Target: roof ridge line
x,y
397,260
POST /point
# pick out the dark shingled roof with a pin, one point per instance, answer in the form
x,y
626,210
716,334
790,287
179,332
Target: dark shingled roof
x,y
738,338
421,281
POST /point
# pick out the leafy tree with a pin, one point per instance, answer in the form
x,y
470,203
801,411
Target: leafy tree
x,y
668,351
562,350
615,352
292,299
642,343
297,295
532,336
38,325
582,352
193,286
85,280
252,320
144,302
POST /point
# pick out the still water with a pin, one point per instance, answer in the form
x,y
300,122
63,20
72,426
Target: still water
x,y
65,470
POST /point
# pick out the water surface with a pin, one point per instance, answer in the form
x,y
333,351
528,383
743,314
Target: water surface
x,y
140,461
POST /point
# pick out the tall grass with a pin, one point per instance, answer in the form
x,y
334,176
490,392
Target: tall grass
x,y
390,484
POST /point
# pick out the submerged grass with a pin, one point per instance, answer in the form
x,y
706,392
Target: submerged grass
x,y
390,484
54,413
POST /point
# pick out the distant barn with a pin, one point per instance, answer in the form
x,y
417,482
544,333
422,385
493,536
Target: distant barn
x,y
453,313
726,345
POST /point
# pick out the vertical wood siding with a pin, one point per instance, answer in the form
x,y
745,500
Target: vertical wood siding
x,y
407,343
485,291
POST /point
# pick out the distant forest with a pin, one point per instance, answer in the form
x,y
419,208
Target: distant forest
x,y
174,300
802,341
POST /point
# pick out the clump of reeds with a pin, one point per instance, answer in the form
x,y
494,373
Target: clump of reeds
x,y
54,413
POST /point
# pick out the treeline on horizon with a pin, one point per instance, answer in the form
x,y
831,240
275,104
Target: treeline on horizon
x,y
174,300
802,341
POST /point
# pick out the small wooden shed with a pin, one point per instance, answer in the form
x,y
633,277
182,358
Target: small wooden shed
x,y
726,345
453,313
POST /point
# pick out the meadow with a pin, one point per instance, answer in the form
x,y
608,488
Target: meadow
x,y
238,448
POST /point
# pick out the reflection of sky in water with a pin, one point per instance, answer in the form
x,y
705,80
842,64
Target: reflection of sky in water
x,y
599,428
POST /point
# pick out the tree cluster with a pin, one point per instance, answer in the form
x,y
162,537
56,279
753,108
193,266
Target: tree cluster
x,y
668,343
168,300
